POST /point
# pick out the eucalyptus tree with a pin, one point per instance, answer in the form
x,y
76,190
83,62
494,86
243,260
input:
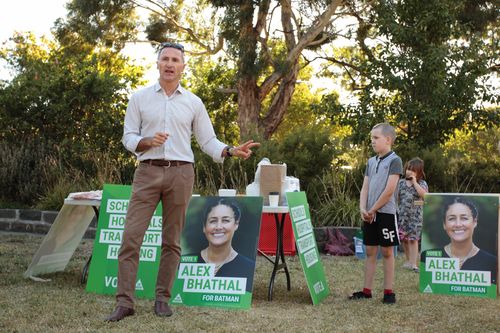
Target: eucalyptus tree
x,y
244,31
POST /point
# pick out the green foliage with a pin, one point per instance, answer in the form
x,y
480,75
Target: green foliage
x,y
58,184
71,93
29,173
335,198
65,107
307,152
247,31
21,172
34,176
157,28
60,178
469,163
474,160
427,73
74,101
193,23
209,80
477,15
300,112
110,23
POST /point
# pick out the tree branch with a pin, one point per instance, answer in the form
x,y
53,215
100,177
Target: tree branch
x,y
293,55
193,36
298,24
340,62
261,16
266,54
319,24
363,29
227,90
286,22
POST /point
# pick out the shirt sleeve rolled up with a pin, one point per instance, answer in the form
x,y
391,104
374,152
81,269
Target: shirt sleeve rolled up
x,y
205,135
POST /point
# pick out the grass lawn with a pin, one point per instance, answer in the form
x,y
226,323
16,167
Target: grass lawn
x,y
63,305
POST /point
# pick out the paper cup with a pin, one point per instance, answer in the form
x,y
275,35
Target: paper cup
x,y
225,192
274,199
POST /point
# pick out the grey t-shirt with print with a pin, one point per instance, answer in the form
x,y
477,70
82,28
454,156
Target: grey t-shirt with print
x,y
378,171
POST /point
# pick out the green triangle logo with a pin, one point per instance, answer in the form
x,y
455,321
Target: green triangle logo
x,y
177,299
428,289
138,285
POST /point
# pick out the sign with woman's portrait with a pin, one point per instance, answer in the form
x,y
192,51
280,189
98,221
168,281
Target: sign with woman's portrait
x,y
459,244
219,249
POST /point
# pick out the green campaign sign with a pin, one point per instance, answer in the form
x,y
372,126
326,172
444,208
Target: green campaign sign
x,y
219,248
459,244
103,269
307,247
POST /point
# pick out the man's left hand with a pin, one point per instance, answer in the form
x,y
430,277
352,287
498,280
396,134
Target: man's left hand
x,y
244,151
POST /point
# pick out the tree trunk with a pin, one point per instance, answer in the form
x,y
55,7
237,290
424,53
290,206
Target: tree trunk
x,y
280,102
248,107
248,103
251,95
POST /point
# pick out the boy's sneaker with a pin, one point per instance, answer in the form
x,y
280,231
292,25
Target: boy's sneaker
x,y
407,265
359,295
389,298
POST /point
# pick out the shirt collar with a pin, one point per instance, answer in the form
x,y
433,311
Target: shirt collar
x,y
158,88
380,159
386,155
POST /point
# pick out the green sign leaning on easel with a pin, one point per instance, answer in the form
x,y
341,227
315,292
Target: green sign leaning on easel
x,y
307,247
103,269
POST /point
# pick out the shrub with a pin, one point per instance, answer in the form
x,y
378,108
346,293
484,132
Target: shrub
x,y
334,199
60,179
32,175
307,152
211,176
21,175
58,184
467,163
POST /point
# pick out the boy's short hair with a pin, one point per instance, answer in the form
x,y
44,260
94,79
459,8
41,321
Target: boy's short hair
x,y
387,130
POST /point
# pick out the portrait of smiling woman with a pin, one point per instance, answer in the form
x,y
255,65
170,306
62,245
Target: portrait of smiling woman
x,y
221,220
460,219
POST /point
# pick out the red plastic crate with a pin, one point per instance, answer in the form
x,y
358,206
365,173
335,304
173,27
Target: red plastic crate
x,y
267,236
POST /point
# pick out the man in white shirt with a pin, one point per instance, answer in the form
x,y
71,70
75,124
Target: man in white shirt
x,y
159,123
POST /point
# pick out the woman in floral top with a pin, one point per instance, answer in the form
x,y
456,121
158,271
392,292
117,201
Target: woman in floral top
x,y
411,191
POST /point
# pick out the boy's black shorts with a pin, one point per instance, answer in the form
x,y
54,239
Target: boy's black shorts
x,y
382,231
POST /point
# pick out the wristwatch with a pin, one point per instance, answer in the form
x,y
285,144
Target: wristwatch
x,y
228,151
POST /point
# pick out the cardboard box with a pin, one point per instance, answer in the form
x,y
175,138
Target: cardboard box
x,y
272,179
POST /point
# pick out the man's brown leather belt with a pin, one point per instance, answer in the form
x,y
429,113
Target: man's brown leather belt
x,y
165,163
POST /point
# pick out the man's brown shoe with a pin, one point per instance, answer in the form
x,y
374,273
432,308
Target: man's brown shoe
x,y
120,313
162,309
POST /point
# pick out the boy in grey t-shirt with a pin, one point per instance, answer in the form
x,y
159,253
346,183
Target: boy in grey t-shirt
x,y
378,210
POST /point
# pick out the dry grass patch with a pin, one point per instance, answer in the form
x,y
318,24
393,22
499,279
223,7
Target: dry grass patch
x,y
63,305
